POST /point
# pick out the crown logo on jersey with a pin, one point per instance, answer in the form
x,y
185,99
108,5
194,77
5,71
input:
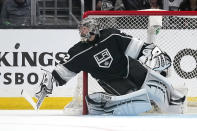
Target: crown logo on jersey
x,y
103,58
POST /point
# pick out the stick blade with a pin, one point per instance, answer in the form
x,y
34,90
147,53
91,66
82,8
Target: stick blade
x,y
41,99
27,96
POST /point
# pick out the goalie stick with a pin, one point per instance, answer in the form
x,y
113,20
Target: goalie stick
x,y
41,97
36,105
26,95
42,93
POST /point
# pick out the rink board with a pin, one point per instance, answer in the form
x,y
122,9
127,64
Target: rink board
x,y
50,103
28,50
20,103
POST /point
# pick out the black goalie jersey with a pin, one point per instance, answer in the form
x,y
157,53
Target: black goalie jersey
x,y
104,58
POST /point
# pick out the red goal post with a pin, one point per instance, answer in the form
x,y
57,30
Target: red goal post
x,y
141,12
173,31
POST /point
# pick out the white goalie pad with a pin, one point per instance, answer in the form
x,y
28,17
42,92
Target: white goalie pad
x,y
162,93
133,103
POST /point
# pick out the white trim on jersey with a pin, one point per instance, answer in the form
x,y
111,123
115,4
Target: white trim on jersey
x,y
134,48
127,67
64,73
79,54
116,34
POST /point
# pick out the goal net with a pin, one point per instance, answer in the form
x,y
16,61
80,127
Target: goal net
x,y
174,32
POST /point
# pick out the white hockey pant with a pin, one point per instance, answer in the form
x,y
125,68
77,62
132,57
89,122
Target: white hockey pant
x,y
162,93
130,104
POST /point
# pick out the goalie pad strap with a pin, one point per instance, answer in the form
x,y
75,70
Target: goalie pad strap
x,y
95,107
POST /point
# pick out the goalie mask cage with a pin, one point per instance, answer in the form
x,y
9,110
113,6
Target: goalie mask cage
x,y
175,32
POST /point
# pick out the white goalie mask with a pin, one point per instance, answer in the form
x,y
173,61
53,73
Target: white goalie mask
x,y
93,28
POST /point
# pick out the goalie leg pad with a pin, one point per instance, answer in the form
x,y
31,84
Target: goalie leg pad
x,y
95,103
130,104
133,103
161,91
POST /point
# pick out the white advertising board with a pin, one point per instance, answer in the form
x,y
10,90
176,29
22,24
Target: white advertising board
x,y
24,52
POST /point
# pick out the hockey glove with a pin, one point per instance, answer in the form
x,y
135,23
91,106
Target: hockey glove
x,y
46,84
155,59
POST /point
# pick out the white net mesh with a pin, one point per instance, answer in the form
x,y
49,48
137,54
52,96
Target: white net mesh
x,y
75,107
177,36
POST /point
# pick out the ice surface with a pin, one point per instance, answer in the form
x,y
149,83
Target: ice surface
x,y
54,120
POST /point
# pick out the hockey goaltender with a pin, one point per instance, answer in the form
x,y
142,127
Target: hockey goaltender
x,y
131,72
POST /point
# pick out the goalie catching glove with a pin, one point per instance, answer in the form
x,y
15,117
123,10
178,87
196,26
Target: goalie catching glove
x,y
155,59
